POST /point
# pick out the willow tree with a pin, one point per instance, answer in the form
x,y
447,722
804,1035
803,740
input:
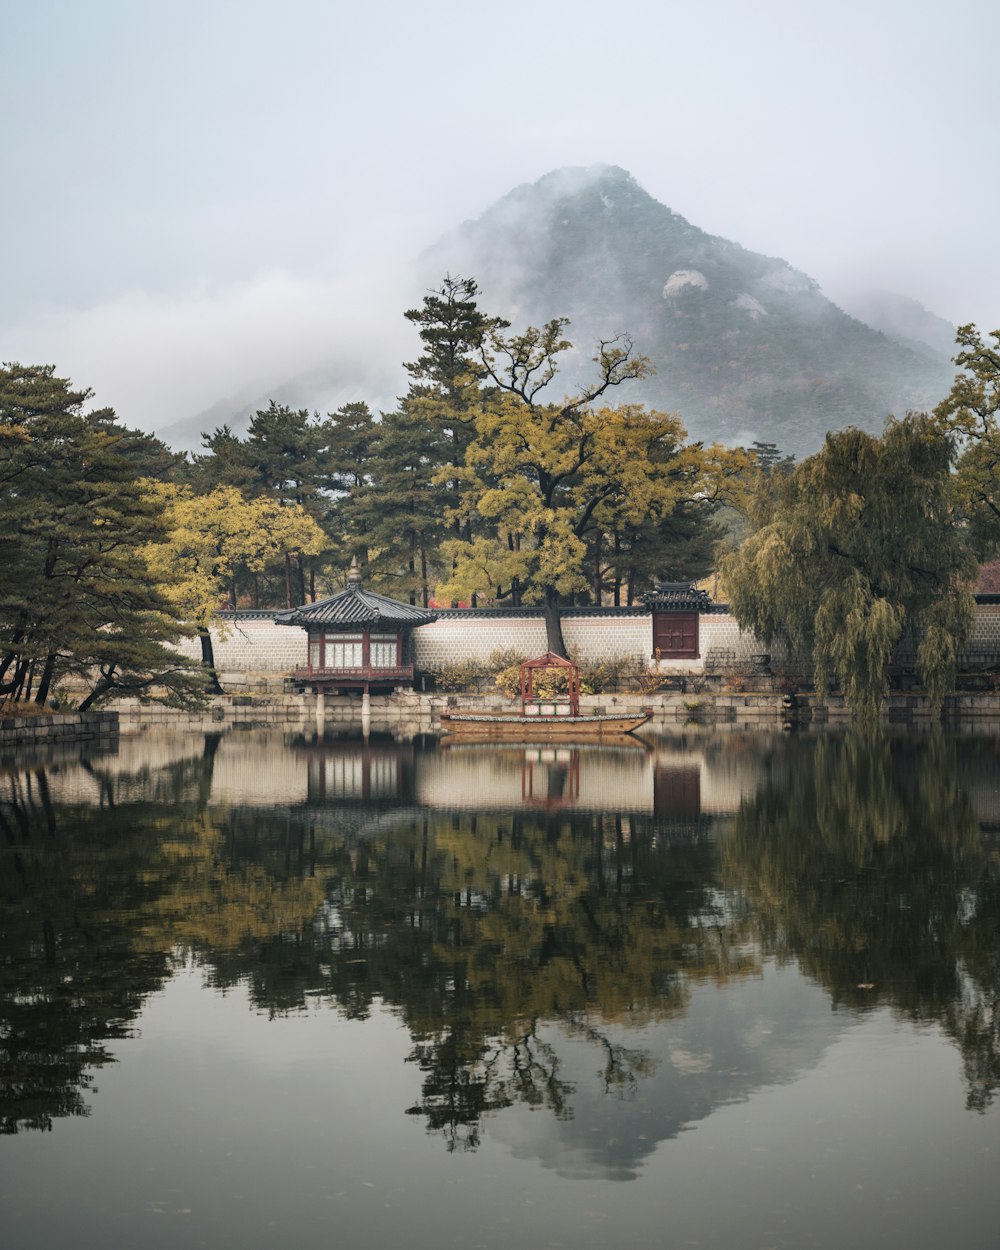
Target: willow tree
x,y
859,548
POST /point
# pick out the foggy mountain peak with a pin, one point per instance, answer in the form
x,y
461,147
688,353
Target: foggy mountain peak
x,y
745,346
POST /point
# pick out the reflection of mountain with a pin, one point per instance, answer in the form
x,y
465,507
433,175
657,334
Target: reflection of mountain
x,y
727,1044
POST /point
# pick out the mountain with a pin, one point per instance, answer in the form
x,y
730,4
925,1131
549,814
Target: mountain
x,y
902,319
744,345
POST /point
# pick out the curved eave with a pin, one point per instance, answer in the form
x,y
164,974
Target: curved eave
x,y
353,609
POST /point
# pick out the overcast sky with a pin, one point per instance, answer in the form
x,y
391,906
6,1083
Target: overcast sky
x,y
203,198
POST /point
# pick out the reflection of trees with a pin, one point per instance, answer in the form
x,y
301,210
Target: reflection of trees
x,y
94,900
478,928
863,860
73,977
860,858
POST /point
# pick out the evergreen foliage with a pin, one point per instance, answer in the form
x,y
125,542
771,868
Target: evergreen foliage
x,y
971,412
75,595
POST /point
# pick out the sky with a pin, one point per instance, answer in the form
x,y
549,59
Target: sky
x,y
206,199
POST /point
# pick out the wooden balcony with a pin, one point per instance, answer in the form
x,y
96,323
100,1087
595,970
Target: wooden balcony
x,y
365,674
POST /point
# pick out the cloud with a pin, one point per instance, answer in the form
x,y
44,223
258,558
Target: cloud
x,y
159,358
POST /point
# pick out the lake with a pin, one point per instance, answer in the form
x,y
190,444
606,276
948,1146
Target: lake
x,y
718,990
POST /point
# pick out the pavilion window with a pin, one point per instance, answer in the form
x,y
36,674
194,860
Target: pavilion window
x,y
383,650
314,657
344,650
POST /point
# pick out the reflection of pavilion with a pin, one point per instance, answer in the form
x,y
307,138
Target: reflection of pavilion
x,y
356,771
677,783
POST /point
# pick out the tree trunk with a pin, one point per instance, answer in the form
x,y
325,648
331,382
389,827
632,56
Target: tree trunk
x,y
46,681
288,581
553,625
17,681
107,681
208,660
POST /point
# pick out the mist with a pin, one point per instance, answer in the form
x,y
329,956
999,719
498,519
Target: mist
x,y
215,204
164,361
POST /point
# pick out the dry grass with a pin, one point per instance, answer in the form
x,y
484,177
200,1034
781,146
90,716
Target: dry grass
x,y
22,711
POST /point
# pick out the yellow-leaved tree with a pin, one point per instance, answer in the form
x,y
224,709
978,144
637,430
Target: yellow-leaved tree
x,y
551,475
208,536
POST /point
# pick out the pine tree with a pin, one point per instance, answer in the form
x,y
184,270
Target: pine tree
x,y
75,595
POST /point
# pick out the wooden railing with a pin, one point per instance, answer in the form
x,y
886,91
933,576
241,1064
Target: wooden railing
x,y
362,672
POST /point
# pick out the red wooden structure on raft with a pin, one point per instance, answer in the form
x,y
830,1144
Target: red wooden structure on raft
x,y
565,703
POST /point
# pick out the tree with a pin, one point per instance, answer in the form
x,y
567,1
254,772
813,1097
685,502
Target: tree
x,y
208,536
857,548
290,456
76,596
398,511
563,472
970,412
417,493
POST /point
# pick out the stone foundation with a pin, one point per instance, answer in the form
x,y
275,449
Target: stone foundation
x,y
60,729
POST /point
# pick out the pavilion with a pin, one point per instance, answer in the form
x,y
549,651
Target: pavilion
x,y
357,640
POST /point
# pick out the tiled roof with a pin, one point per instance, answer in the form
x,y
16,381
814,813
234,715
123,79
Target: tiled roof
x,y
988,582
677,597
356,608
565,612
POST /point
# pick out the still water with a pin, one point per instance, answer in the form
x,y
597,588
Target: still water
x,y
714,991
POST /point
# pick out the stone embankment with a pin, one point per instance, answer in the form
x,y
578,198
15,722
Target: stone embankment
x,y
409,712
59,729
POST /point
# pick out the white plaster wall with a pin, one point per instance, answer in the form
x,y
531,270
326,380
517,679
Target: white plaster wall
x,y
591,639
260,646
454,639
253,646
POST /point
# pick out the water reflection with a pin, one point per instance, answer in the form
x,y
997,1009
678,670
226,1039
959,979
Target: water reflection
x,y
875,871
605,935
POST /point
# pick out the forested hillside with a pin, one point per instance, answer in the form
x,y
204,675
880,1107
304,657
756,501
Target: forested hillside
x,y
744,346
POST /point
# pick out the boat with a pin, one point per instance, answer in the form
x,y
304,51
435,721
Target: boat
x,y
550,709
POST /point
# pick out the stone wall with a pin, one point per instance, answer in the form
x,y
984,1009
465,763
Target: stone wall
x,y
250,642
19,732
252,652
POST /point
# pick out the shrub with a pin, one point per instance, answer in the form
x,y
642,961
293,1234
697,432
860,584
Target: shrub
x,y
506,665
467,675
